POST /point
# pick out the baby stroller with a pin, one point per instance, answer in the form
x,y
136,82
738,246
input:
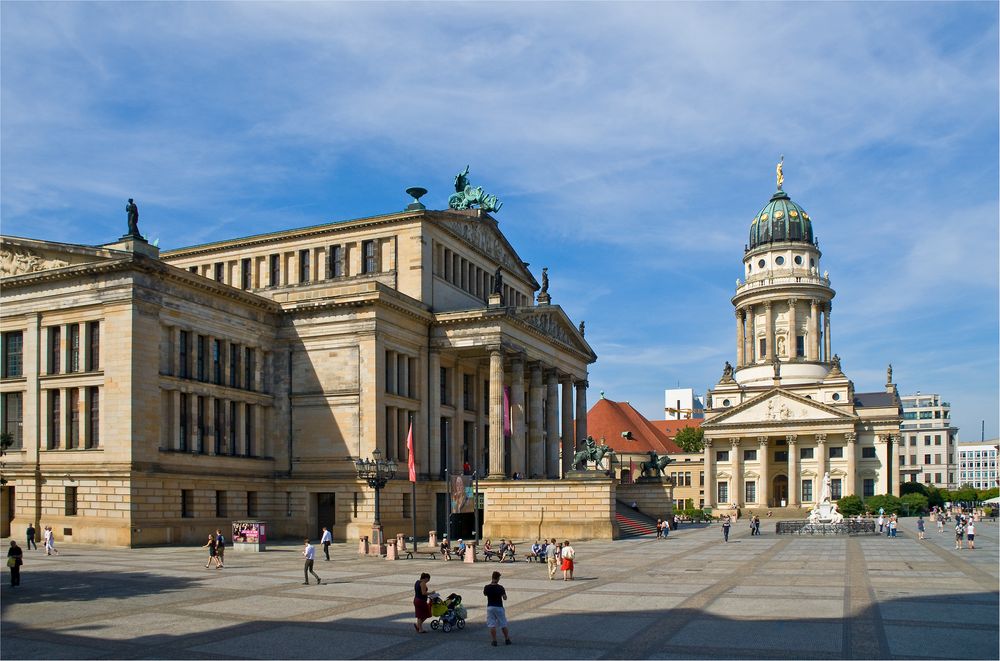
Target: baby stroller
x,y
450,613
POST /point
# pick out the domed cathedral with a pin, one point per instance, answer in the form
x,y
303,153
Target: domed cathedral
x,y
786,414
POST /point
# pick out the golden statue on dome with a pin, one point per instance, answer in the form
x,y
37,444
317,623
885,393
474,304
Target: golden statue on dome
x,y
780,173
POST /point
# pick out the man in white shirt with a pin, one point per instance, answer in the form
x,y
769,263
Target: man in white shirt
x,y
309,553
326,540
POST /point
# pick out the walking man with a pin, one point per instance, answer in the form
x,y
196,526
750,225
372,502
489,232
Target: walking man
x,y
725,528
970,534
309,553
49,541
220,547
550,558
920,527
495,614
30,534
327,539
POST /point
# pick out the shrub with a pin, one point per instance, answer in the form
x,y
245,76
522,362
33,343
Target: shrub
x,y
890,504
915,502
850,505
912,487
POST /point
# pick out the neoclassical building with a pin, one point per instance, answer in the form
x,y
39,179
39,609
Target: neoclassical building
x,y
152,396
786,413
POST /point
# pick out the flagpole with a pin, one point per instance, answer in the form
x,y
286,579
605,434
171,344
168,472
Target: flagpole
x,y
411,460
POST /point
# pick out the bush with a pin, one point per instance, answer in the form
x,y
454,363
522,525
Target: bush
x,y
935,496
850,506
695,514
986,494
912,487
890,504
915,502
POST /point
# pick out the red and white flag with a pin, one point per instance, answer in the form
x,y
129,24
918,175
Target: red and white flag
x,y
411,461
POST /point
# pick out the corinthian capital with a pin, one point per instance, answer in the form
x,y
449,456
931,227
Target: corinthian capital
x,y
851,437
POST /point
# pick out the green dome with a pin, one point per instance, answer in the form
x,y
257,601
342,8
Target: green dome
x,y
781,220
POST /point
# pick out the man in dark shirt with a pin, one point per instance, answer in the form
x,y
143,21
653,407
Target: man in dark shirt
x,y
495,615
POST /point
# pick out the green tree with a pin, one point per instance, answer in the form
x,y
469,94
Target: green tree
x,y
986,494
912,487
965,494
935,496
690,439
915,503
889,503
850,505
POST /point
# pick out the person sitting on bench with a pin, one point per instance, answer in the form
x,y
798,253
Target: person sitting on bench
x,y
461,549
509,553
489,551
534,553
446,548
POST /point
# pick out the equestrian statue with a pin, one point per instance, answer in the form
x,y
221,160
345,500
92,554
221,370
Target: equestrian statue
x,y
591,451
656,463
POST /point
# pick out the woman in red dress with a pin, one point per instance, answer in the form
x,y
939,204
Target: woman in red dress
x,y
421,605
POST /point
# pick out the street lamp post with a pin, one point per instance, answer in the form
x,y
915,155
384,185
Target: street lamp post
x,y
377,472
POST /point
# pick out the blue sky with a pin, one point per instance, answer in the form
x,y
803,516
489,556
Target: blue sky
x,y
631,145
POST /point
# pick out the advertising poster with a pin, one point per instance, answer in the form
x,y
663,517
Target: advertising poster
x,y
249,532
461,494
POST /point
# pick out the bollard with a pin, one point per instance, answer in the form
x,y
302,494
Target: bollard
x,y
363,545
390,550
470,552
400,541
432,538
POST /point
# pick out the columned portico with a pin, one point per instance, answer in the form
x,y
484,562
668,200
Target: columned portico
x,y
518,451
497,468
794,487
536,441
764,497
551,425
736,497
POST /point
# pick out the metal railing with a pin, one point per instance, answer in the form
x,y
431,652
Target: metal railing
x,y
807,528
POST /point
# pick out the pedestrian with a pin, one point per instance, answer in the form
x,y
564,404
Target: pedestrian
x,y
677,521
970,534
309,553
920,527
756,525
495,614
212,557
659,528
725,528
220,548
15,558
568,561
893,523
326,540
666,528
550,558
30,534
940,522
49,541
959,534
421,602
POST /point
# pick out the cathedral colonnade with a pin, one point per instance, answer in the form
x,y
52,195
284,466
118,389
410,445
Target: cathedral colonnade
x,y
758,332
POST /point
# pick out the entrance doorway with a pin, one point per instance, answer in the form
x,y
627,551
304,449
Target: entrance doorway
x,y
441,513
326,511
7,502
780,491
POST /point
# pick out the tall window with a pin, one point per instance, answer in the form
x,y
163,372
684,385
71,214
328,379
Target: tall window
x,y
55,349
251,503
369,257
246,273
249,365
836,489
763,348
182,354
13,347
723,492
217,362
220,272
217,425
13,414
467,392
867,487
94,340
234,365
70,501
445,399
94,417
73,437
187,503
275,270
200,417
750,492
304,265
335,263
247,430
74,348
800,346
54,420
200,343
232,428
807,491
182,427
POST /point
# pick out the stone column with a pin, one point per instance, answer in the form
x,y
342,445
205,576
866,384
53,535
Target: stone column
x,y
497,468
792,332
403,385
813,346
852,463
821,451
827,355
175,344
536,439
568,446
794,487
737,496
551,425
740,337
768,333
434,413
750,353
764,497
893,464
710,491
518,451
882,450
581,412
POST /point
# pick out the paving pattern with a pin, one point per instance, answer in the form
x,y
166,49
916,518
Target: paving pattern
x,y
690,596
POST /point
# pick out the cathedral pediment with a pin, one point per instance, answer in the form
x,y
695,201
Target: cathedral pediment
x,y
553,322
481,232
778,406
19,256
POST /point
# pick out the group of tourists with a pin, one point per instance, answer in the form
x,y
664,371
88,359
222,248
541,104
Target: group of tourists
x,y
965,531
887,525
755,525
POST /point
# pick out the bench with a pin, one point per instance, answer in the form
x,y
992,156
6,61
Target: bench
x,y
410,552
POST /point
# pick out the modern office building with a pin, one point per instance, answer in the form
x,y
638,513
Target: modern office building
x,y
926,449
977,464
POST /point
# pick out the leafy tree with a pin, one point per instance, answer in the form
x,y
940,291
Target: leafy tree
x,y
850,505
889,503
691,439
912,487
965,494
935,496
915,502
986,494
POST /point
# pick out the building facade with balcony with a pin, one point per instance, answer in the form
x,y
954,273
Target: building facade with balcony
x,y
927,445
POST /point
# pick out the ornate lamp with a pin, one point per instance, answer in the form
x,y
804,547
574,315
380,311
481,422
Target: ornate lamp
x,y
376,472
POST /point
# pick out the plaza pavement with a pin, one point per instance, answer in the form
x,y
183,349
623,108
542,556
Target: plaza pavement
x,y
690,596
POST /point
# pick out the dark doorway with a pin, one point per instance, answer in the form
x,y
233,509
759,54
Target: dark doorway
x,y
441,513
780,491
326,511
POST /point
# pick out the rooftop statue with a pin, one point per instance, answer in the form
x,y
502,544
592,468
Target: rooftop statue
x,y
780,173
727,372
133,218
498,282
465,196
545,280
583,329
888,374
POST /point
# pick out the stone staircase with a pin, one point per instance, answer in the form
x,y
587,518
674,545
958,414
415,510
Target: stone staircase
x,y
632,524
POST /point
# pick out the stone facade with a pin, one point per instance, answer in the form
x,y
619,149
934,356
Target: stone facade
x,y
156,396
566,509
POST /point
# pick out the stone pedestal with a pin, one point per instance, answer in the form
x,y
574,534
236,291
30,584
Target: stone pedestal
x,y
400,541
470,552
363,546
432,538
391,552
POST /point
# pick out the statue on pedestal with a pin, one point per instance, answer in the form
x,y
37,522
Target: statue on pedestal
x,y
133,218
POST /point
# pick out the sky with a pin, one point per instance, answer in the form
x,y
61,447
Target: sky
x,y
631,145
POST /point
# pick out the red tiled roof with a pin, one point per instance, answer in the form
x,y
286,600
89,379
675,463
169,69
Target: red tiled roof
x,y
671,427
608,419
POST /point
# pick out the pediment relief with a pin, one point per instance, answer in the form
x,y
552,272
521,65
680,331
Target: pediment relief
x,y
751,474
868,472
483,234
552,321
809,473
20,256
17,260
837,472
779,406
723,476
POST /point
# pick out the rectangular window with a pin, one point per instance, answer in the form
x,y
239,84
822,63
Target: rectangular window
x,y
55,349
445,400
94,340
220,504
723,492
247,430
187,503
750,492
193,269
836,489
927,459
220,271
467,392
217,425
750,455
13,415
249,365
94,418
232,429
182,353
902,460
199,415
836,452
246,273
13,348
687,478
722,455
335,262
200,344
867,487
937,439
868,453
800,346
701,478
913,441
805,453
234,365
304,265
54,420
73,437
807,491
275,270
927,440
70,501
927,478
937,477
182,426
217,362
74,348
781,456
370,257
251,503
763,348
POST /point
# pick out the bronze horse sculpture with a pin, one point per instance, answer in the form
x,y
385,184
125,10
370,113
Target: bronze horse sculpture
x,y
592,452
656,463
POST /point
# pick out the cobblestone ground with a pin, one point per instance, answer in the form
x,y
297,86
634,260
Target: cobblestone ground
x,y
691,596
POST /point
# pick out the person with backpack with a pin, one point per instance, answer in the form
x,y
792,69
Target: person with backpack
x,y
220,548
959,534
